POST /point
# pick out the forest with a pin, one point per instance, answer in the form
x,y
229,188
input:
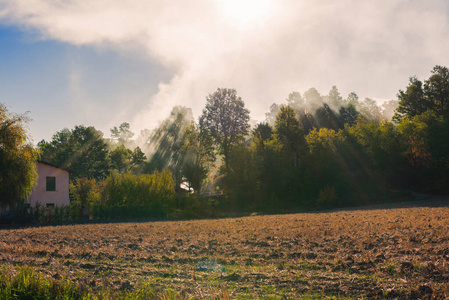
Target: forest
x,y
312,152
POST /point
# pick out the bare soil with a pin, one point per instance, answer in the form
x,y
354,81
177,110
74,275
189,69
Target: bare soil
x,y
398,252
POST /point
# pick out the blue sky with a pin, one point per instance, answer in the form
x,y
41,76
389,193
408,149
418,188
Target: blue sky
x,y
104,62
52,81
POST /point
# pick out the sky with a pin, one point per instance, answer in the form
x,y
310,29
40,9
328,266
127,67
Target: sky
x,y
104,62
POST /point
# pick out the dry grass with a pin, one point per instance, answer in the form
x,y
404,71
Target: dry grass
x,y
379,253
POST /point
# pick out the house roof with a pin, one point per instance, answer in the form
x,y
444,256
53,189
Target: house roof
x,y
54,166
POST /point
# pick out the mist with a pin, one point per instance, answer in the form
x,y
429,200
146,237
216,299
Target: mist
x,y
264,53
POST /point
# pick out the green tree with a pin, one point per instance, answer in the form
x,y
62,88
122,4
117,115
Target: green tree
x,y
412,101
282,159
290,134
17,159
261,133
270,116
370,110
121,135
83,150
166,143
313,99
327,118
124,160
427,151
389,108
436,90
198,156
352,99
138,158
86,192
325,164
379,152
348,114
295,101
120,158
241,181
226,119
334,99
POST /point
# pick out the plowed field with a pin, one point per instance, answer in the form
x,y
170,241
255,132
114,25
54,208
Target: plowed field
x,y
377,253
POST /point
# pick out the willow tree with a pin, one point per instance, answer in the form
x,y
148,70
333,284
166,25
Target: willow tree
x,y
17,159
226,119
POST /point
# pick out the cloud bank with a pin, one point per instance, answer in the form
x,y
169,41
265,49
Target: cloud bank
x,y
264,49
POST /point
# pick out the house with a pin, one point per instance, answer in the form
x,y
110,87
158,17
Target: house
x,y
52,188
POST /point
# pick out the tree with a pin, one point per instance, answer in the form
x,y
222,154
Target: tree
x,y
379,152
290,133
419,98
389,108
436,90
124,160
120,158
166,142
295,101
261,133
428,150
412,101
83,150
198,156
121,135
352,99
334,99
226,119
241,181
17,159
137,158
324,160
327,118
271,168
313,99
270,116
371,110
348,114
85,192
308,122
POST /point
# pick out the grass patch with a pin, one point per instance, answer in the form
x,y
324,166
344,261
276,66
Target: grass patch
x,y
25,283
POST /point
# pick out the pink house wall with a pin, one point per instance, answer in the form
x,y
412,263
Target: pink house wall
x,y
40,193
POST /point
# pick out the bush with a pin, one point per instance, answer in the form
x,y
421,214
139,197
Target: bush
x,y
44,215
85,192
193,207
136,196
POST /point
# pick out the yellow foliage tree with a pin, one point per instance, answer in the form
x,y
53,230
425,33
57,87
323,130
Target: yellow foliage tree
x,y
17,159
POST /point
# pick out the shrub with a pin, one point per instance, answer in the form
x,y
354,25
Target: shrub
x,y
130,196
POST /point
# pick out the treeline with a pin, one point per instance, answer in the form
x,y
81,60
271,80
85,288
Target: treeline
x,y
313,151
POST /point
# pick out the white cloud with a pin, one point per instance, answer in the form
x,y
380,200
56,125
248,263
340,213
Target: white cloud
x,y
367,47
